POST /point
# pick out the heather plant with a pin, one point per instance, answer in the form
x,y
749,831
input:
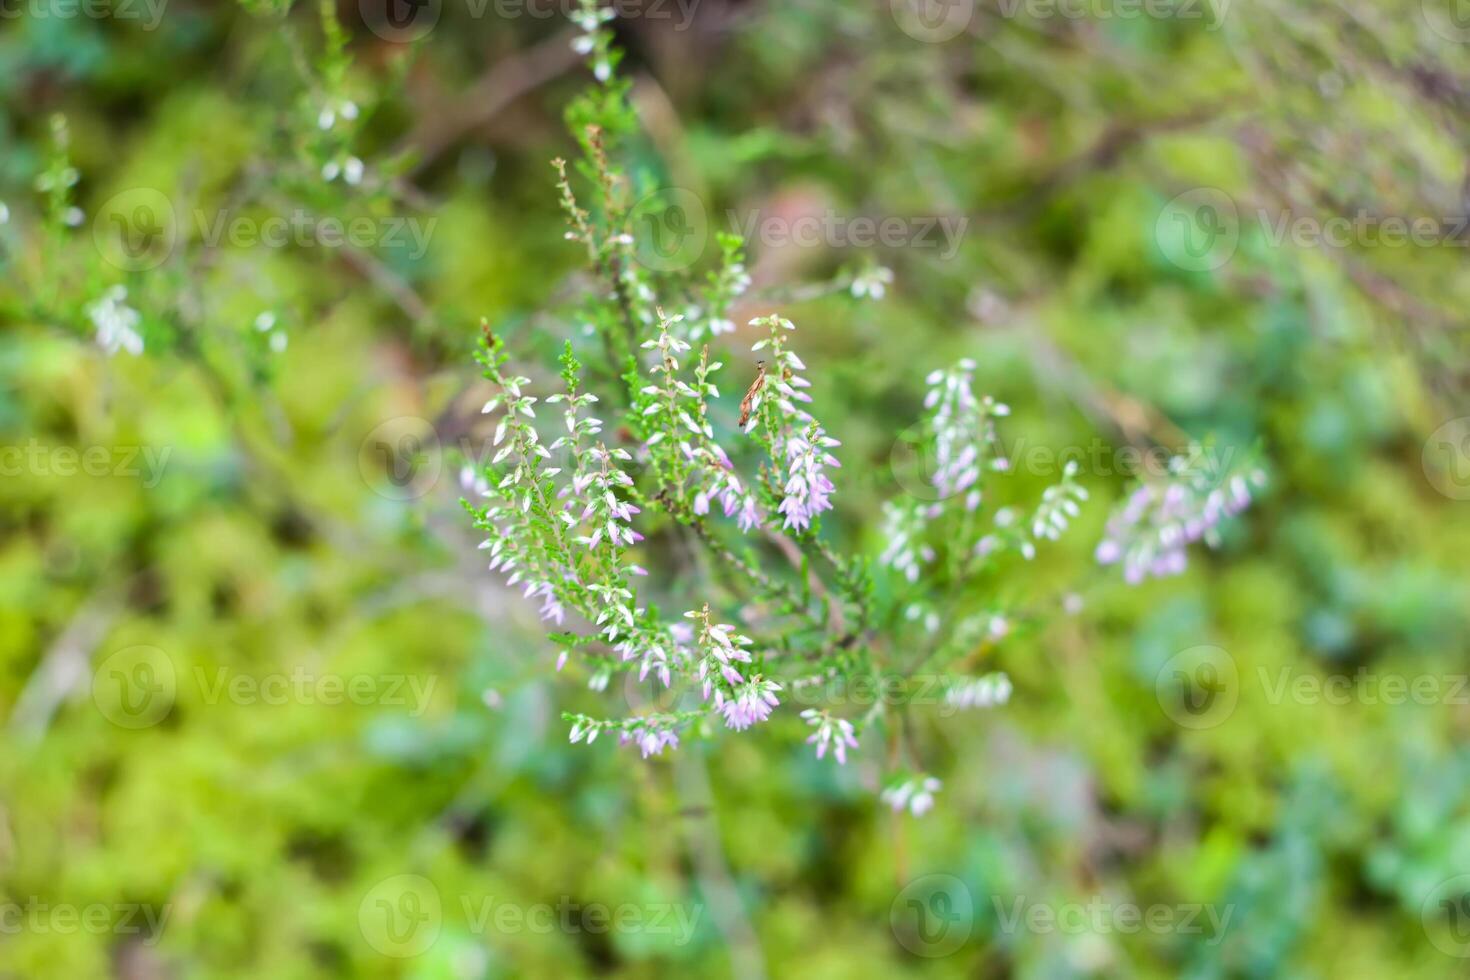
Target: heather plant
x,y
710,448
1139,271
670,440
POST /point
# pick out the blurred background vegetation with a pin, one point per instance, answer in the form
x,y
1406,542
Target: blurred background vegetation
x,y
269,541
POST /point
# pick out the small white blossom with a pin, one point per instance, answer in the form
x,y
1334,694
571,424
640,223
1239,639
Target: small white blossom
x,y
915,795
989,691
116,322
872,283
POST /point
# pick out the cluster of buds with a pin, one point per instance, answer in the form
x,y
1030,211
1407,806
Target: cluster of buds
x,y
1060,503
906,552
964,433
727,284
988,691
960,432
595,41
116,322
798,444
832,733
916,795
678,413
718,648
1149,533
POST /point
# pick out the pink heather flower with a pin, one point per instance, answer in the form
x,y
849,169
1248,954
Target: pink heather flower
x,y
656,650
551,607
719,648
1149,533
799,441
965,439
748,703
749,515
807,487
735,500
650,740
836,733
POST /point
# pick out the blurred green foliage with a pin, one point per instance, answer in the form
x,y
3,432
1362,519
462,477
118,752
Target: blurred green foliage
x,y
270,542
